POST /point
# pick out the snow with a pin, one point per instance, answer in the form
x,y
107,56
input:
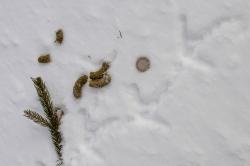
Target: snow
x,y
191,108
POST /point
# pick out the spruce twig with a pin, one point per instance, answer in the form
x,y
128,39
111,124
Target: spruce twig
x,y
36,118
51,121
44,98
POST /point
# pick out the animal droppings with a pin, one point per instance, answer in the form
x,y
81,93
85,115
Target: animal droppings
x,y
59,36
77,89
100,83
99,73
44,58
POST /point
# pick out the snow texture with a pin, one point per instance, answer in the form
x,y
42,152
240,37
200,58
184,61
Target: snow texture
x,y
191,108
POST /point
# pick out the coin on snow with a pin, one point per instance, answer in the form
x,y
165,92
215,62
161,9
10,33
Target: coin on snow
x,y
142,64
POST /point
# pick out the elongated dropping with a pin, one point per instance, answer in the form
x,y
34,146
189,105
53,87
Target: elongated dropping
x,y
100,83
99,73
80,82
44,58
59,36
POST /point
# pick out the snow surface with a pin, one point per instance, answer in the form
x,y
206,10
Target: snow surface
x,y
191,108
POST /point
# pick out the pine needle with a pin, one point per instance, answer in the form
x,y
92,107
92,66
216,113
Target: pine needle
x,y
51,121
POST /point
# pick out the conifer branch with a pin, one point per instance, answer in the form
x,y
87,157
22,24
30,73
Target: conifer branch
x,y
44,97
36,118
52,121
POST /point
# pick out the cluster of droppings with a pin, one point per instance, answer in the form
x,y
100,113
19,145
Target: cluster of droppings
x,y
80,82
44,58
98,79
59,39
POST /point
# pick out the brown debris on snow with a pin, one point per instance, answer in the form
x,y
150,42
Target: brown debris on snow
x,y
99,73
99,83
77,89
59,36
44,58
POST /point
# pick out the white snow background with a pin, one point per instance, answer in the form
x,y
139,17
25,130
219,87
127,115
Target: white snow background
x,y
192,108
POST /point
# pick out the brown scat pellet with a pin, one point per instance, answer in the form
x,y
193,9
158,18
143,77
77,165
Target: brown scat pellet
x,y
100,83
59,36
99,73
77,89
44,58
